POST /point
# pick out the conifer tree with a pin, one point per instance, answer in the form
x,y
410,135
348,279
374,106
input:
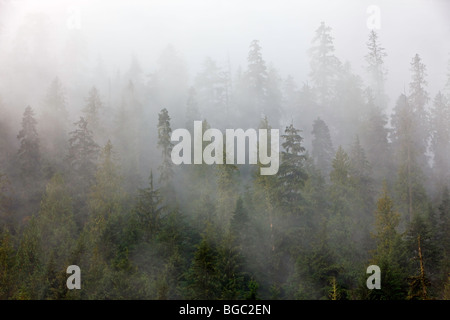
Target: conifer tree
x,y
256,77
418,100
55,117
149,209
82,161
203,274
57,230
106,194
440,141
410,189
376,68
165,145
6,217
322,147
291,174
8,272
324,64
93,111
192,111
374,138
389,252
29,156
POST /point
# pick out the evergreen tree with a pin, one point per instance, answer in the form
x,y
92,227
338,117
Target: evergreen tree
x,y
315,267
256,78
274,97
203,277
291,174
374,138
322,147
376,68
192,111
8,272
55,117
442,240
423,250
93,111
240,219
227,178
410,189
210,84
440,141
29,156
166,145
128,137
6,216
361,175
83,151
324,64
389,253
57,233
149,209
418,99
82,162
106,194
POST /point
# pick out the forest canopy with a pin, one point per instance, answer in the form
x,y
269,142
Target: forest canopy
x,y
87,176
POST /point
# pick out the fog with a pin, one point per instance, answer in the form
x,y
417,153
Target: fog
x,y
223,30
90,92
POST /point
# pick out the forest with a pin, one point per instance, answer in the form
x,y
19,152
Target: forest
x,y
87,179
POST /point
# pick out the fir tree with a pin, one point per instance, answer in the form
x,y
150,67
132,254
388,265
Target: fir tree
x,y
93,110
324,64
82,161
149,209
440,141
256,77
291,175
106,194
389,253
418,99
29,156
374,138
203,274
55,117
322,147
376,68
410,189
165,144
192,112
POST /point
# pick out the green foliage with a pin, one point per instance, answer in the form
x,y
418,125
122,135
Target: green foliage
x,y
29,156
322,147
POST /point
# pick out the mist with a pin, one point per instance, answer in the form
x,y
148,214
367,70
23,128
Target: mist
x,y
91,92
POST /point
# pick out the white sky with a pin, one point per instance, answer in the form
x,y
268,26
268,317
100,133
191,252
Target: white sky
x,y
221,29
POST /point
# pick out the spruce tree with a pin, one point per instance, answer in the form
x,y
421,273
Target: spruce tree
x,y
418,100
149,209
55,123
165,145
324,64
322,147
410,189
82,162
389,253
440,141
256,77
374,138
106,194
291,174
203,276
93,111
192,111
29,156
376,68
